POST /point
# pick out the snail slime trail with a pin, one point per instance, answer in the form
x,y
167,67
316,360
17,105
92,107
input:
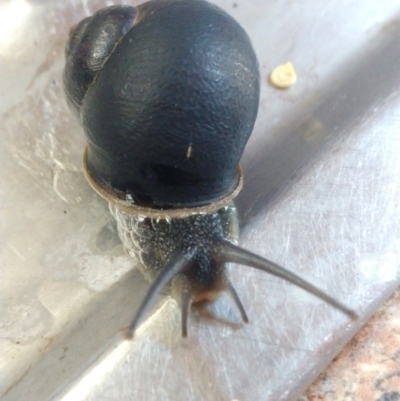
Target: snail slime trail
x,y
167,94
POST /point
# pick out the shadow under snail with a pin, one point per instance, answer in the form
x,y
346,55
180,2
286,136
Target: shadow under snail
x,y
167,94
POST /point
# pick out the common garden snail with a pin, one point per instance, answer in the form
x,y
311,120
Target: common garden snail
x,y
167,94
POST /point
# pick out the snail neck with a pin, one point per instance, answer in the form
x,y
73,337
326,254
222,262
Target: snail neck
x,y
152,241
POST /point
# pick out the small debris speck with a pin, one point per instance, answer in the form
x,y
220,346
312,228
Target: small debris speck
x,y
283,76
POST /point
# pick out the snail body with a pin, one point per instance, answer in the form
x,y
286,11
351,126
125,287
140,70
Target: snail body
x,y
167,94
152,243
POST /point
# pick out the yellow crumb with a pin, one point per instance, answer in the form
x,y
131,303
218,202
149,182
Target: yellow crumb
x,y
283,76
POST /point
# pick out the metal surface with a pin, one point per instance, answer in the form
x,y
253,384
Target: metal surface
x,y
321,197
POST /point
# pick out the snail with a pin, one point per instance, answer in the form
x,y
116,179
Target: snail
x,y
167,94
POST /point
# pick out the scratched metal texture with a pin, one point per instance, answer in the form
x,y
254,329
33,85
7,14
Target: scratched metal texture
x,y
321,197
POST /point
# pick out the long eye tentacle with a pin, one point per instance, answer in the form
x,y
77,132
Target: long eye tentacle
x,y
235,254
179,261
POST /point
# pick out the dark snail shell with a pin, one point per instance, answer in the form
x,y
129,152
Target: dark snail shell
x,y
167,94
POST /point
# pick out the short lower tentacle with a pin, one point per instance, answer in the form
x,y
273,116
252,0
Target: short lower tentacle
x,y
178,262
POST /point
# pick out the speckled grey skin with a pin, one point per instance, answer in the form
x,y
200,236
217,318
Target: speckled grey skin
x,y
152,244
191,254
